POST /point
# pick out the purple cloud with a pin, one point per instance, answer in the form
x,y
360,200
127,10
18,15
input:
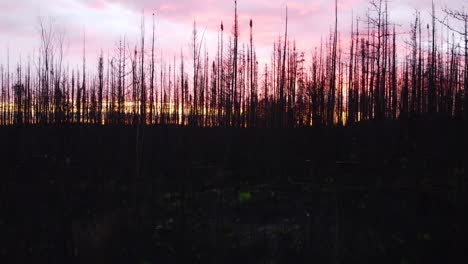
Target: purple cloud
x,y
106,20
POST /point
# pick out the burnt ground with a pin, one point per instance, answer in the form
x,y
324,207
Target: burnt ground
x,y
388,192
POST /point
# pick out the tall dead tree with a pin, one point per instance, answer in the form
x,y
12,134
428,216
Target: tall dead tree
x,y
332,87
83,86
431,88
462,17
100,89
282,84
394,88
195,55
350,102
151,97
414,66
182,88
234,70
253,96
142,75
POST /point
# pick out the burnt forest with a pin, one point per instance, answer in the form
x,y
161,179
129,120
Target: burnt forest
x,y
354,151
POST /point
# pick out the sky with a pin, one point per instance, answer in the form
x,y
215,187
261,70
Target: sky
x,y
103,22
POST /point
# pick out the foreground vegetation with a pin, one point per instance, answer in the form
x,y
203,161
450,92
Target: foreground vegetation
x,y
391,192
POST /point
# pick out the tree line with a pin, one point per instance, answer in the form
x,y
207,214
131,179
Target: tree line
x,y
374,74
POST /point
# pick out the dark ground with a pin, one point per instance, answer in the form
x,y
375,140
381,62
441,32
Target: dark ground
x,y
374,193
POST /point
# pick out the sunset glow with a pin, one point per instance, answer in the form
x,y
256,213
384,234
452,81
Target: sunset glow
x,y
103,22
282,63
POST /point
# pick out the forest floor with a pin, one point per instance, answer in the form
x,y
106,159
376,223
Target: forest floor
x,y
387,192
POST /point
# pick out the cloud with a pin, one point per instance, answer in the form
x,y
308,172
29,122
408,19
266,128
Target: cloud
x,y
105,21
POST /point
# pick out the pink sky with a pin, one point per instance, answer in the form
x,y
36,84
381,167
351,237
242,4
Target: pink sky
x,y
104,21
